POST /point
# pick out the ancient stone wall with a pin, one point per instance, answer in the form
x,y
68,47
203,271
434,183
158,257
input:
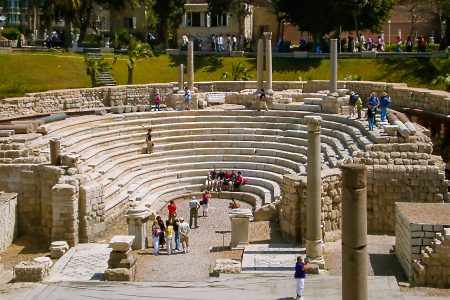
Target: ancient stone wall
x,y
8,220
80,99
293,206
433,268
399,173
414,234
33,185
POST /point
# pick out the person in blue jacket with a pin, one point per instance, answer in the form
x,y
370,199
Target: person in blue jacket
x,y
385,101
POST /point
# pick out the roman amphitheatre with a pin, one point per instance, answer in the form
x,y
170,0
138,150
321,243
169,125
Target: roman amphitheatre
x,y
75,167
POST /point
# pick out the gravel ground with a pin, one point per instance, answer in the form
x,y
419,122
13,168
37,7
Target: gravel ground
x,y
205,245
24,248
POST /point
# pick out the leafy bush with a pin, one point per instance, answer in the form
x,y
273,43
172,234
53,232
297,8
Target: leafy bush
x,y
11,33
353,77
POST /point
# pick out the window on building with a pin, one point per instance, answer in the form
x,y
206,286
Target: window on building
x,y
130,23
219,20
193,19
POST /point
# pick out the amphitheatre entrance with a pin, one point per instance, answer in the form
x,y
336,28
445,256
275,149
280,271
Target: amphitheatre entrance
x,y
72,176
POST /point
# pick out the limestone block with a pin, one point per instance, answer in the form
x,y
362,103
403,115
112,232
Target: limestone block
x,y
118,259
120,274
267,212
121,243
34,271
226,266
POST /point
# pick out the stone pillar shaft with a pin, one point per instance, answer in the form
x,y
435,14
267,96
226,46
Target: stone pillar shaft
x,y
260,66
314,243
190,65
333,65
55,151
354,232
181,77
268,36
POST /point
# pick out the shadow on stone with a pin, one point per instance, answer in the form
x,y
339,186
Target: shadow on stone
x,y
386,265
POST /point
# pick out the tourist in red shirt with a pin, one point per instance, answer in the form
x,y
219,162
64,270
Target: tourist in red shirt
x,y
172,211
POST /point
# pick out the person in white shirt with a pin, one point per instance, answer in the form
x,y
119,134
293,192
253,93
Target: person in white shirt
x,y
194,205
220,43
184,235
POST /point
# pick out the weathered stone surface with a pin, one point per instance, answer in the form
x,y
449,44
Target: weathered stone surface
x,y
120,274
34,271
121,259
226,266
267,212
121,243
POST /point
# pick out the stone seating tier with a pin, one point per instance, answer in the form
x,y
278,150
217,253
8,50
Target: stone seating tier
x,y
264,147
121,178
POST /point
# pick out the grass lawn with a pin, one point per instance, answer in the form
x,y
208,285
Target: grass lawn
x,y
32,72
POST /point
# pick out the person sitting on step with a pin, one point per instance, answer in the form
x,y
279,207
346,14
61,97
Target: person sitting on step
x,y
226,180
220,178
232,181
209,181
239,181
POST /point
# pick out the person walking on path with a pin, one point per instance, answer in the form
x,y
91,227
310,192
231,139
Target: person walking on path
x,y
176,231
300,274
205,202
157,101
384,103
184,235
169,236
194,205
156,231
172,207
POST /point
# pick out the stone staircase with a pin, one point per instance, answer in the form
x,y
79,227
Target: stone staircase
x,y
104,78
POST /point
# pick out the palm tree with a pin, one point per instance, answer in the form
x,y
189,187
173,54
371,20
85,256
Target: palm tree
x,y
95,66
238,72
136,50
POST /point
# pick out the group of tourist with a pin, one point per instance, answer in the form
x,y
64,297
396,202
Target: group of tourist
x,y
221,44
373,105
173,231
223,180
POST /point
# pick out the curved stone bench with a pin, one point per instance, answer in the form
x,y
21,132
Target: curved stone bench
x,y
265,179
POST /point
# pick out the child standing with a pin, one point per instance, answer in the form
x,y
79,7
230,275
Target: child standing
x,y
157,101
370,115
169,237
300,274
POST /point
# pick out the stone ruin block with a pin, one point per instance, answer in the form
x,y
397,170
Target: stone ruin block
x,y
119,259
121,274
34,271
58,249
121,243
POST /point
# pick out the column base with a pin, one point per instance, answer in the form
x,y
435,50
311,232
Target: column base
x,y
314,252
269,91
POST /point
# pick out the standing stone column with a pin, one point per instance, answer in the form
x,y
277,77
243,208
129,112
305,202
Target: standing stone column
x,y
137,218
181,77
240,219
268,36
314,243
260,66
55,151
333,65
190,65
354,232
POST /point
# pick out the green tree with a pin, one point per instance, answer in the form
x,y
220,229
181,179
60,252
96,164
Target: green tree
x,y
350,14
168,15
238,72
136,50
68,9
95,66
242,8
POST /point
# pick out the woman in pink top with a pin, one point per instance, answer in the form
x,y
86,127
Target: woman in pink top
x,y
157,101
